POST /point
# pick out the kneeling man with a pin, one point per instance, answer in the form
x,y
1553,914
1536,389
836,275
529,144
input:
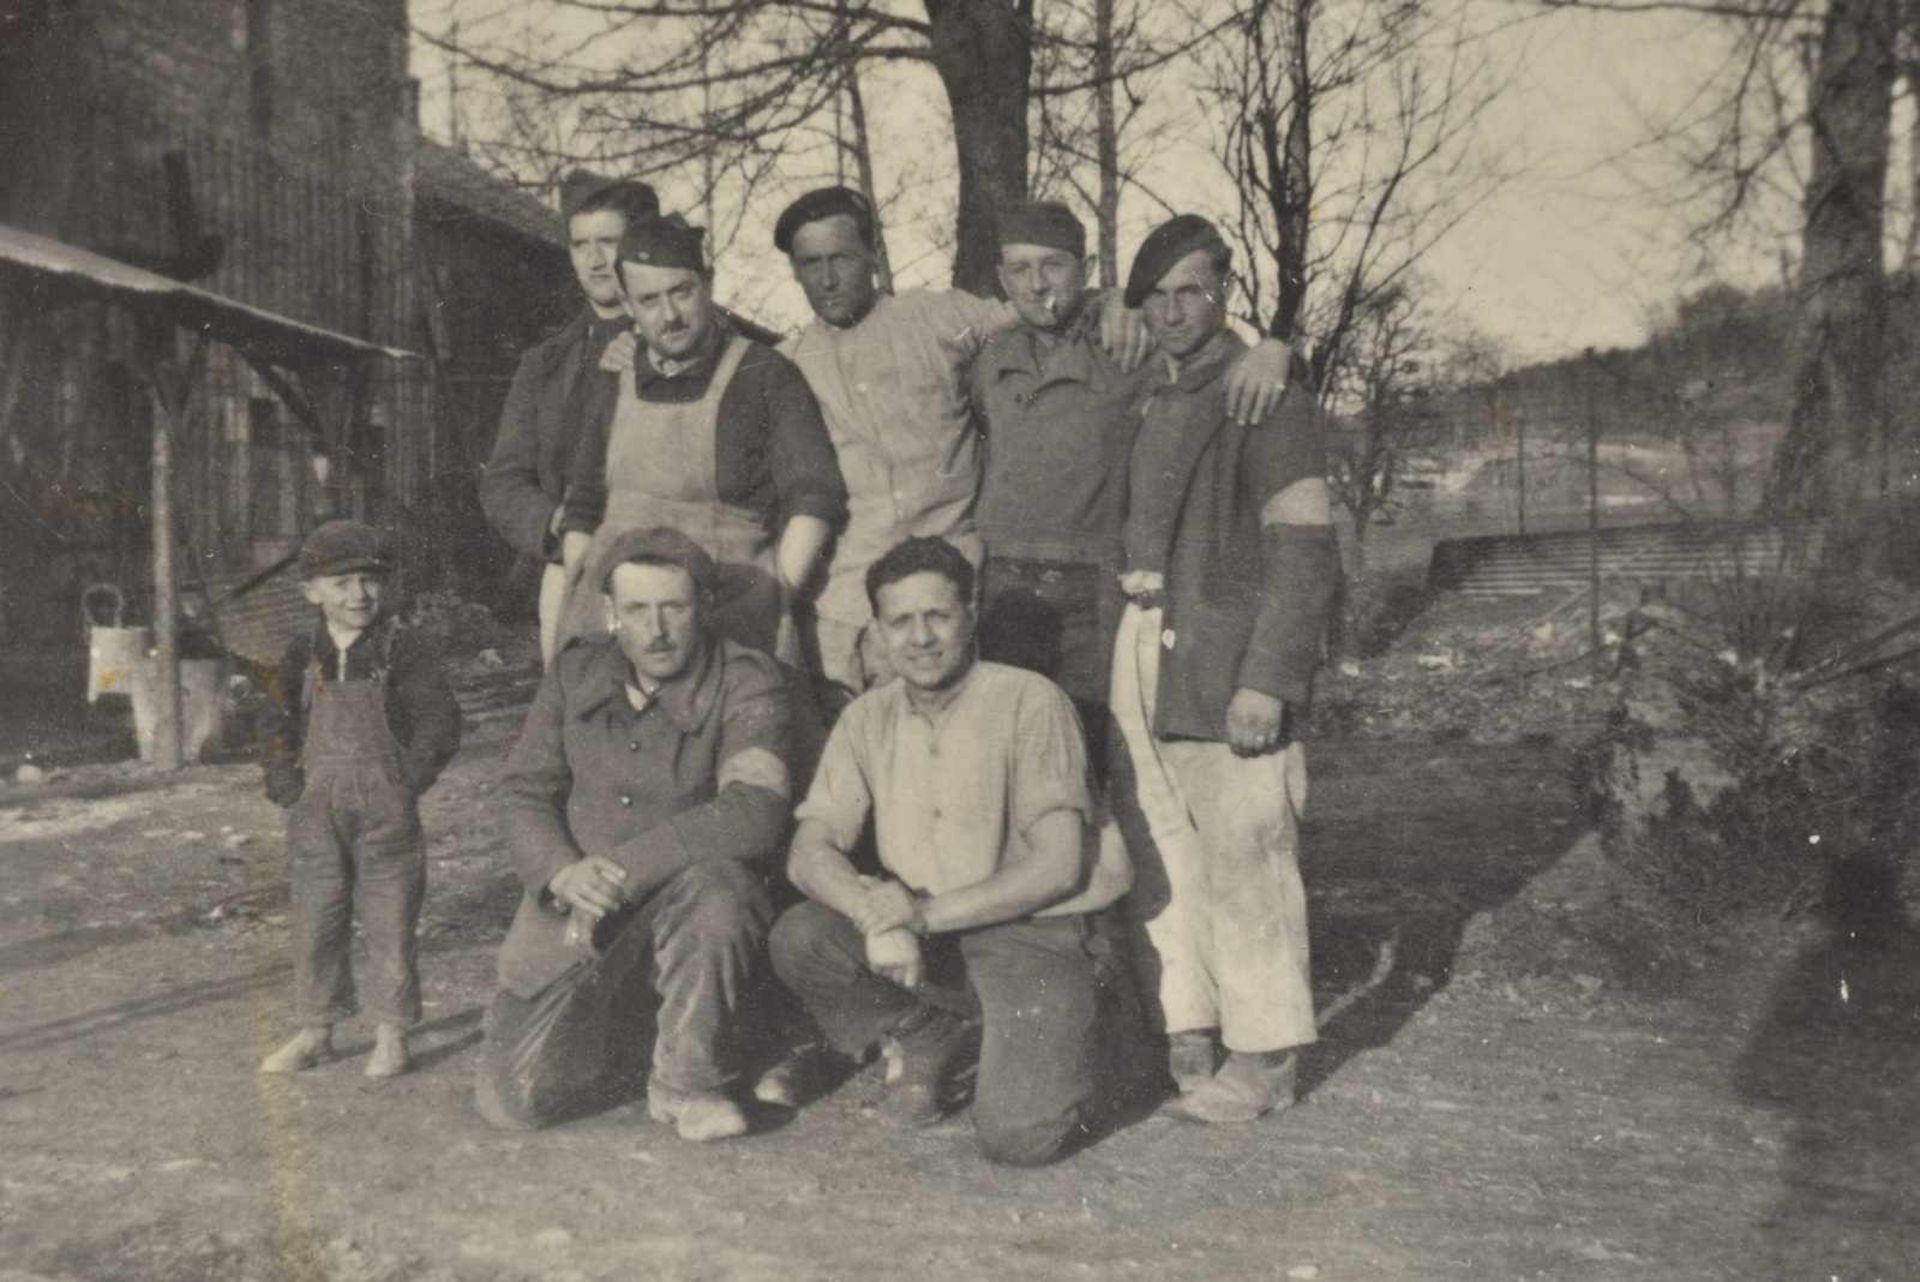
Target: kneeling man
x,y
975,777
650,780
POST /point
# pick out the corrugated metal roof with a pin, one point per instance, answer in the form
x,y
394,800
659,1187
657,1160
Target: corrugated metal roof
x,y
220,317
442,174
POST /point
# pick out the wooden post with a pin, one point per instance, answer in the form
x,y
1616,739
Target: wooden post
x,y
1593,510
166,641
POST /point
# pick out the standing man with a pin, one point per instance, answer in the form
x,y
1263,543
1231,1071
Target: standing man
x,y
976,782
523,483
709,432
649,781
1059,419
1231,570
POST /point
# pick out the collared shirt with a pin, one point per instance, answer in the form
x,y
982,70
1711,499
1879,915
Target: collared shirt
x,y
699,773
893,390
952,791
772,454
1059,421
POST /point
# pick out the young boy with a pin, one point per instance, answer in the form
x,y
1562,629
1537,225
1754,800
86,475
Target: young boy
x,y
367,723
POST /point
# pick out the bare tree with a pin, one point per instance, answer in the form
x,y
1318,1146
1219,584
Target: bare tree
x,y
1351,132
1388,378
1800,117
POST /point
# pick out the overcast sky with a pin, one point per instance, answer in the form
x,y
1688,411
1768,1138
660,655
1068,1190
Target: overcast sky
x,y
1580,249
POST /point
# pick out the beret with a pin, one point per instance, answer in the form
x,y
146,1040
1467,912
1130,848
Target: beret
x,y
1044,222
627,196
663,242
341,547
666,544
1164,247
823,202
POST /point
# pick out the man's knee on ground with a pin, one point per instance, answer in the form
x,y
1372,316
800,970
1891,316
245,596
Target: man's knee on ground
x,y
1028,1144
503,1099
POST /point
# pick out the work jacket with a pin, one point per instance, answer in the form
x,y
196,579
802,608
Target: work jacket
x,y
1245,606
701,772
526,476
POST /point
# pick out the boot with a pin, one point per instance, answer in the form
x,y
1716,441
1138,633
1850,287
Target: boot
x,y
699,1116
804,1072
389,1058
1191,1058
928,1048
1249,1085
302,1051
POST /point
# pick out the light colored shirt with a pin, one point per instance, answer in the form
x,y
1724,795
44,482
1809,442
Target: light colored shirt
x,y
893,389
954,792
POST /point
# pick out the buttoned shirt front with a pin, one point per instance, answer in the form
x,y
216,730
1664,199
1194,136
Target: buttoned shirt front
x,y
893,391
1059,421
953,791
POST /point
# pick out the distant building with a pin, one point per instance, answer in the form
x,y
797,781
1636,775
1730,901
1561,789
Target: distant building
x,y
269,151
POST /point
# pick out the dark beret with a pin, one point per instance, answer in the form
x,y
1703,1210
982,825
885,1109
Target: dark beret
x,y
341,547
824,202
1165,246
664,242
664,544
583,191
1044,222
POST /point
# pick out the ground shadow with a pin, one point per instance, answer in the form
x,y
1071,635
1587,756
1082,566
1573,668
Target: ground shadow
x,y
1838,1053
1403,843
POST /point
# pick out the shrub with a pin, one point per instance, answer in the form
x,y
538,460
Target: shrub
x,y
1766,731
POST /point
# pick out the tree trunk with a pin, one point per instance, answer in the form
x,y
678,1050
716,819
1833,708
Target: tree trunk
x,y
863,165
983,50
1109,144
1834,450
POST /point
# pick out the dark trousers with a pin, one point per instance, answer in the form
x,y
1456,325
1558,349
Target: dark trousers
x,y
684,957
1056,618
1032,983
354,846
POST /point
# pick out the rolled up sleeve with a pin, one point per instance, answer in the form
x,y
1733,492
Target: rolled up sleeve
x,y
841,796
1050,756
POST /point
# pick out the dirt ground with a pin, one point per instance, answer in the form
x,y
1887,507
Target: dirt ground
x,y
1507,1090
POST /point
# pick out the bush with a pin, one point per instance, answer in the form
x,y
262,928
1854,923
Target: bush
x,y
1766,732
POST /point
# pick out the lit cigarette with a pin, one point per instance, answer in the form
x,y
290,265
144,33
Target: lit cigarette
x,y
1052,305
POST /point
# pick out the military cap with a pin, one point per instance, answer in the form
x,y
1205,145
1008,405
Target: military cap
x,y
823,202
1047,223
664,242
1164,247
665,544
627,196
342,547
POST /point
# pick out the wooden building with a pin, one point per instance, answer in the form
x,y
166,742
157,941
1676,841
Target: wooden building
x,y
267,151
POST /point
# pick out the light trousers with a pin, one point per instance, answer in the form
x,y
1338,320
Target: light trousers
x,y
1218,907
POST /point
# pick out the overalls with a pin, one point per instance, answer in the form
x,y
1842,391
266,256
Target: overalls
x,y
353,842
661,470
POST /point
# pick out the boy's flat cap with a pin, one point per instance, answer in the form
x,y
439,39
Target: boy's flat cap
x,y
342,547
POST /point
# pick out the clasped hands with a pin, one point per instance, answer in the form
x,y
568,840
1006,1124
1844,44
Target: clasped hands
x,y
590,887
891,918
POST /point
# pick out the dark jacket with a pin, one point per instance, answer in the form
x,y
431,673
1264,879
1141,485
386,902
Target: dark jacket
x,y
422,715
1246,606
541,422
700,773
772,454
